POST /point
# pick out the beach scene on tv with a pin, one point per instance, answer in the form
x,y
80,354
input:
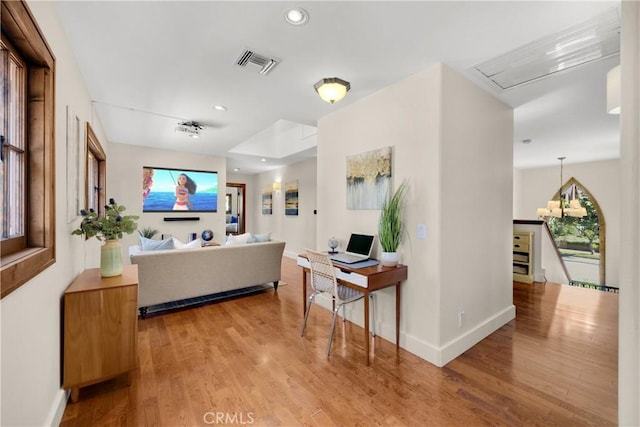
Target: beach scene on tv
x,y
170,190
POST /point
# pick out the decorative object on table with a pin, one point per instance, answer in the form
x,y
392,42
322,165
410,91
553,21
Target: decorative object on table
x,y
333,244
291,197
207,235
391,226
148,232
192,237
368,179
109,228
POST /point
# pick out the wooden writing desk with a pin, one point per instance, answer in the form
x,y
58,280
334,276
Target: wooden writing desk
x,y
365,280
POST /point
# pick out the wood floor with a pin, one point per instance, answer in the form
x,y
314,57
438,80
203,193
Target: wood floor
x,y
243,362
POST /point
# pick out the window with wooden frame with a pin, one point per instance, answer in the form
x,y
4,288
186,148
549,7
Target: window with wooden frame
x,y
96,168
27,76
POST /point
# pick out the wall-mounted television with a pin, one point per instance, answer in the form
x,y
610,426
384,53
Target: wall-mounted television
x,y
174,190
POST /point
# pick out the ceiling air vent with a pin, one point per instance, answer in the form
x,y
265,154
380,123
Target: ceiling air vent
x,y
265,64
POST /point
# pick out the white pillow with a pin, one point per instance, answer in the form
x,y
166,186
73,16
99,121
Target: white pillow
x,y
240,239
264,237
155,245
192,244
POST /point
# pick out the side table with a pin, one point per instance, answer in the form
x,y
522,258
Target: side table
x,y
100,328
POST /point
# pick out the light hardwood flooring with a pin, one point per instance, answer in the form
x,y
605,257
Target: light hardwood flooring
x,y
243,362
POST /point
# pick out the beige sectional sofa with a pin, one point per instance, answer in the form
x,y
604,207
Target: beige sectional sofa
x,y
178,274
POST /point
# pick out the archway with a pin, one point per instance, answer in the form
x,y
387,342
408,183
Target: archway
x,y
581,240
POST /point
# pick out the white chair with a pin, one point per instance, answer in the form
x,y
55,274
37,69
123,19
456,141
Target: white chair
x,y
324,282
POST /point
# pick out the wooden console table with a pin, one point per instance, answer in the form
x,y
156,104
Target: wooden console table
x,y
365,280
100,328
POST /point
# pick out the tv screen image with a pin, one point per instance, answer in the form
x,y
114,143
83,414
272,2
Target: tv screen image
x,y
173,190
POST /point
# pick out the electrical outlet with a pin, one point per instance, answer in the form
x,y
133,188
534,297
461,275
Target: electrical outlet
x,y
460,318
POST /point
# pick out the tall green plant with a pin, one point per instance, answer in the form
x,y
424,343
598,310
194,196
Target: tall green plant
x,y
391,225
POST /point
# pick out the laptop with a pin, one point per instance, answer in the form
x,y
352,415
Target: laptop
x,y
358,249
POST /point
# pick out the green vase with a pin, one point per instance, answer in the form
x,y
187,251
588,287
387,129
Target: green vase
x,y
110,259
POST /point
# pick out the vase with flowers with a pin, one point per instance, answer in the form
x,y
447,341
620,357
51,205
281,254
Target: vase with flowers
x,y
108,228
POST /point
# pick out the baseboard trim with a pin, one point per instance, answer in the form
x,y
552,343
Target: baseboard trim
x,y
459,345
58,407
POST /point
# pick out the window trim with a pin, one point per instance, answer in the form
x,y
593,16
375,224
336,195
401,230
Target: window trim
x,y
20,28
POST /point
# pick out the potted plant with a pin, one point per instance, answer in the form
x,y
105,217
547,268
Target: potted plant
x,y
148,232
391,226
108,228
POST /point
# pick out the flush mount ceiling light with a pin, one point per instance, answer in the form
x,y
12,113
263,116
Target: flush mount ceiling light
x,y
191,129
597,38
296,16
332,89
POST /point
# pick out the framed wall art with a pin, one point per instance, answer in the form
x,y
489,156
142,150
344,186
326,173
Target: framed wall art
x,y
368,179
291,198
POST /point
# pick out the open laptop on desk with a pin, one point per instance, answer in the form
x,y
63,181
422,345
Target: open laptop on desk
x,y
358,249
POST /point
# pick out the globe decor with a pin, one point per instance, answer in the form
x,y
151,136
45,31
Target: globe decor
x,y
108,228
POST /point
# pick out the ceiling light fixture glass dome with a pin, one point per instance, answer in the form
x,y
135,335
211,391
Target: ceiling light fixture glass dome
x,y
332,89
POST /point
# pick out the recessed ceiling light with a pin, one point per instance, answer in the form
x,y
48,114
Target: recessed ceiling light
x,y
296,16
236,169
220,107
263,159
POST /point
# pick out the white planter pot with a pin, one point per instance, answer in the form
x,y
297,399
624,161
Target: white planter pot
x,y
389,259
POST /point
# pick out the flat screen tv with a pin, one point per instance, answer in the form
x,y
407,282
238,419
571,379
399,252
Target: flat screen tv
x,y
175,190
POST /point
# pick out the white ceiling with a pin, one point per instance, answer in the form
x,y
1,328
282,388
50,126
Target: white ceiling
x,y
149,65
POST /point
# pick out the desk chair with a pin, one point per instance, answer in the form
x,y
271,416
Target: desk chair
x,y
324,281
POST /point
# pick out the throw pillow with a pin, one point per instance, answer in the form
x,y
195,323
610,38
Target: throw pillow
x,y
155,245
257,238
192,244
240,239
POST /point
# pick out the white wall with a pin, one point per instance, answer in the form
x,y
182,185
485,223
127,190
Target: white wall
x,y
536,186
477,177
629,315
413,117
298,231
124,183
31,315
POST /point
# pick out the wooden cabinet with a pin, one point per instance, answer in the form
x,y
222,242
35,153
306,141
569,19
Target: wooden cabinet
x,y
523,256
100,328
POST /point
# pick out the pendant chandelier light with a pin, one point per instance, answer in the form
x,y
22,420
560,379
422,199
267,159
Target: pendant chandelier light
x,y
562,207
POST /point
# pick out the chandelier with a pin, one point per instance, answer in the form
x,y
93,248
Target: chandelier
x,y
564,206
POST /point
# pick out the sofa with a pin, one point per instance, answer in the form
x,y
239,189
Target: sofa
x,y
178,274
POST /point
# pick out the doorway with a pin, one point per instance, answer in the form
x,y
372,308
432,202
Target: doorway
x,y
235,208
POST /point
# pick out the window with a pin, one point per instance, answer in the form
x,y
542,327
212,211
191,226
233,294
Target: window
x,y
27,76
12,156
96,173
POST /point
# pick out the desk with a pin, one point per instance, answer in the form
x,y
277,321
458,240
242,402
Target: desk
x,y
365,280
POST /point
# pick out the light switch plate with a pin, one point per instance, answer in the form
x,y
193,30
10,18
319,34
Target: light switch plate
x,y
422,231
